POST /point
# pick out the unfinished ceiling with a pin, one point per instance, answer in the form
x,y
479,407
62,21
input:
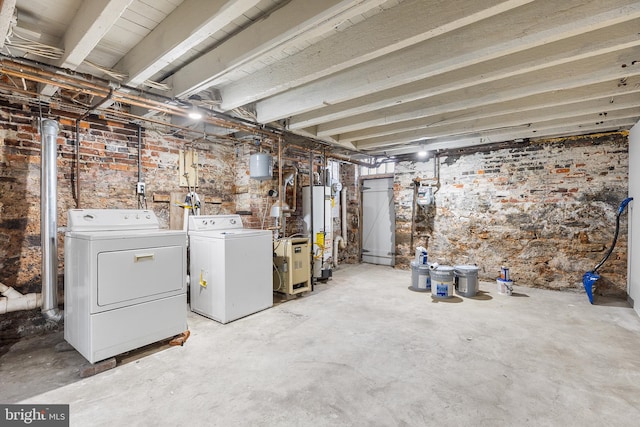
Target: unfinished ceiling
x,y
375,76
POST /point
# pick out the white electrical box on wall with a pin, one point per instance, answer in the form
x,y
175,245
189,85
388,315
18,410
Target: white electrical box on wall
x,y
188,168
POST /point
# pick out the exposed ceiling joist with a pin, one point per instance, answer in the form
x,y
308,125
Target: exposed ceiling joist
x,y
375,76
186,27
564,51
7,10
383,34
567,76
294,20
89,25
466,47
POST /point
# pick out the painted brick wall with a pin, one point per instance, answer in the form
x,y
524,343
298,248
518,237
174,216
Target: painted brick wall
x,y
546,210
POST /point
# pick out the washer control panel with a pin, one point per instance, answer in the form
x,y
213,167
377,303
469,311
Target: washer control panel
x,y
214,222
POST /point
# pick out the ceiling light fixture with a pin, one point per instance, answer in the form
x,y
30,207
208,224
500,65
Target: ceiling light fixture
x,y
194,114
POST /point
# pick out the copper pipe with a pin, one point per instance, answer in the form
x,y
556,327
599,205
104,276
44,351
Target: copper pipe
x,y
125,115
126,98
23,70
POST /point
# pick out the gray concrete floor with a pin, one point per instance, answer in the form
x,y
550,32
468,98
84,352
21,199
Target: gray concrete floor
x,y
363,350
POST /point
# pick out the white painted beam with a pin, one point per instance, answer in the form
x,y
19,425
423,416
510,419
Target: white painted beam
x,y
566,114
563,103
494,137
296,19
488,39
410,22
92,21
567,76
186,27
7,7
618,37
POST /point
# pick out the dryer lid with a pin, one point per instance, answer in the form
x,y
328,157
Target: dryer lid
x,y
111,220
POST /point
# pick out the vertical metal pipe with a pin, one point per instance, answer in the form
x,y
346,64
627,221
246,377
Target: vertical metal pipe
x,y
140,154
77,164
311,185
49,219
281,189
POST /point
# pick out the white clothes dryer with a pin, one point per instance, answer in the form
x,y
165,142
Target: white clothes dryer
x,y
125,281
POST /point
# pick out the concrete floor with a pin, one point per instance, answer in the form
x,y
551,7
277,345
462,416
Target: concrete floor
x,y
363,350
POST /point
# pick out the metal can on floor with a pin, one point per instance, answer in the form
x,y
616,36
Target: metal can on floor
x,y
442,282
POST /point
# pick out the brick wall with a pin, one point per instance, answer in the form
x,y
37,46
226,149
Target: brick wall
x,y
545,209
108,174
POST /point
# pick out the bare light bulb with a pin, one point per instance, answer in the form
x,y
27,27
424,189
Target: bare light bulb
x,y
195,115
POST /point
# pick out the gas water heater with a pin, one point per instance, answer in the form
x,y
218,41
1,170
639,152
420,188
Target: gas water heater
x,y
321,232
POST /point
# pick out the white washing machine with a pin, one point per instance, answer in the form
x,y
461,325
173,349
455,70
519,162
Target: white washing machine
x,y
125,281
230,267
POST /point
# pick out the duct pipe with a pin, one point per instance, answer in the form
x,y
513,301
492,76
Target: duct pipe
x,y
49,219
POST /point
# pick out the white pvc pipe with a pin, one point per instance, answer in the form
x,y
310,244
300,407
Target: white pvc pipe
x,y
9,292
13,300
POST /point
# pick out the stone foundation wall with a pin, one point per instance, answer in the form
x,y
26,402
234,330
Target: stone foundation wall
x,y
546,210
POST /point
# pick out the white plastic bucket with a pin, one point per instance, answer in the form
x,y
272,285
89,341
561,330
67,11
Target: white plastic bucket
x,y
466,280
421,256
442,282
505,287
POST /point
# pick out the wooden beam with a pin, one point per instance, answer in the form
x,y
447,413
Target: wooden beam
x,y
7,8
598,112
92,21
486,40
296,19
618,37
186,27
576,74
494,137
408,23
601,97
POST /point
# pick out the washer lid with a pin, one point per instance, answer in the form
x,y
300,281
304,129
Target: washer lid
x,y
231,233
